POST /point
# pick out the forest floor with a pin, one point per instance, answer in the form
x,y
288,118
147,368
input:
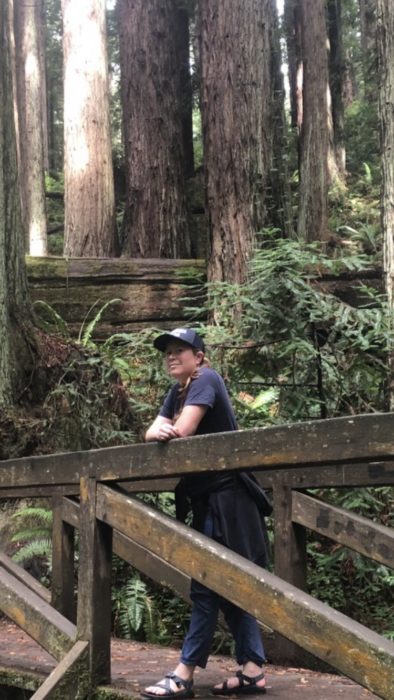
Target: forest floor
x,y
136,665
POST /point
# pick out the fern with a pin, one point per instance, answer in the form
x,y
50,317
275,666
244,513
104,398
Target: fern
x,y
85,334
36,548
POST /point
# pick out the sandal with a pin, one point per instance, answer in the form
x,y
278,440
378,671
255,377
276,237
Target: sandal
x,y
187,691
247,686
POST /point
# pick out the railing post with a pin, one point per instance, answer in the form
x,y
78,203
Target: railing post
x,y
289,560
63,579
94,584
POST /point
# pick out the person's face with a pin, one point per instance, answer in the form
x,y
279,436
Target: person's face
x,y
181,360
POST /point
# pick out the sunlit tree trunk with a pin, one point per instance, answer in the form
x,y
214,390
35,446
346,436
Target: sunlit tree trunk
x,y
337,75
31,147
236,116
280,214
14,308
312,213
292,27
152,65
88,171
385,37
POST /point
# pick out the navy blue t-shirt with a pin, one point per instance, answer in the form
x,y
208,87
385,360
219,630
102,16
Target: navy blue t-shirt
x,y
208,389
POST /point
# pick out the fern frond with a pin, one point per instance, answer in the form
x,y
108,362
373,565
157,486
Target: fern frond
x,y
38,548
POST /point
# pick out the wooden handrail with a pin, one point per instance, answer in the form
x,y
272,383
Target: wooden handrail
x,y
364,536
338,440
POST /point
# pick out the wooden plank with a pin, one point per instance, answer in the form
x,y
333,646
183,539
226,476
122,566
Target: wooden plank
x,y
290,562
141,558
69,679
362,438
364,536
333,475
377,473
63,551
25,578
94,585
69,269
346,645
35,616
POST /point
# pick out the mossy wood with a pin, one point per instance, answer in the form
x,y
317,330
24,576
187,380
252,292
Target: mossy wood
x,y
94,585
149,292
364,536
63,575
35,616
21,575
363,439
350,647
376,473
70,678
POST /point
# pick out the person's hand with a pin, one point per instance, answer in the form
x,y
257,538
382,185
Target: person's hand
x,y
167,432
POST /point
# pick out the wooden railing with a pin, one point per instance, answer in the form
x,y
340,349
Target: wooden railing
x,y
288,459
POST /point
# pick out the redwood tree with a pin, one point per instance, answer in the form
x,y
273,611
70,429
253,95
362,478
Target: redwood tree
x,y
385,35
236,117
337,75
152,76
29,66
88,171
14,307
312,213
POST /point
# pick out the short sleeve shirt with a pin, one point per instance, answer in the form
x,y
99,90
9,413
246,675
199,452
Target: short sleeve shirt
x,y
208,389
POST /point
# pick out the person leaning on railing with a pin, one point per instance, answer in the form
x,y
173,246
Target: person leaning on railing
x,y
229,507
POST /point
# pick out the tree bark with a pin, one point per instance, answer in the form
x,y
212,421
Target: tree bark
x,y
14,308
31,145
368,31
236,86
90,229
292,28
152,65
385,41
312,213
337,75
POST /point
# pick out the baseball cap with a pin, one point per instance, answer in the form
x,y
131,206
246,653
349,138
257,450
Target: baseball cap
x,y
186,335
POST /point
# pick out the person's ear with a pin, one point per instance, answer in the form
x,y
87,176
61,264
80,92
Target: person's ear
x,y
200,356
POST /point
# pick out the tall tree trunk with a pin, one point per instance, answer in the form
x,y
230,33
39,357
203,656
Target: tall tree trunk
x,y
312,213
14,309
54,94
186,93
43,74
292,27
90,229
280,214
368,31
337,75
236,115
385,41
155,223
31,147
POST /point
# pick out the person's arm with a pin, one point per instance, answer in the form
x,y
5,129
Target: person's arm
x,y
161,429
186,424
189,420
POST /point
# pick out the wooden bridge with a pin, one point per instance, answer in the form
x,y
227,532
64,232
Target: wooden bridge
x,y
93,492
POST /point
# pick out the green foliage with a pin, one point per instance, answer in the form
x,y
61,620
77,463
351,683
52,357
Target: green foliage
x,y
33,537
322,356
351,583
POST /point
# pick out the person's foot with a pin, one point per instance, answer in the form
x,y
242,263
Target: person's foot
x,y
179,683
249,681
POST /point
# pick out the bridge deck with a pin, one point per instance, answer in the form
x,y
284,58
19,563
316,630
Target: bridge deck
x,y
135,665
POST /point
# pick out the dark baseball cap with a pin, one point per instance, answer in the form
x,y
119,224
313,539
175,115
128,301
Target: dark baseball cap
x,y
186,335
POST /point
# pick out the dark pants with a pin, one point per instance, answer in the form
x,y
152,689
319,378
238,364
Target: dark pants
x,y
206,605
198,641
